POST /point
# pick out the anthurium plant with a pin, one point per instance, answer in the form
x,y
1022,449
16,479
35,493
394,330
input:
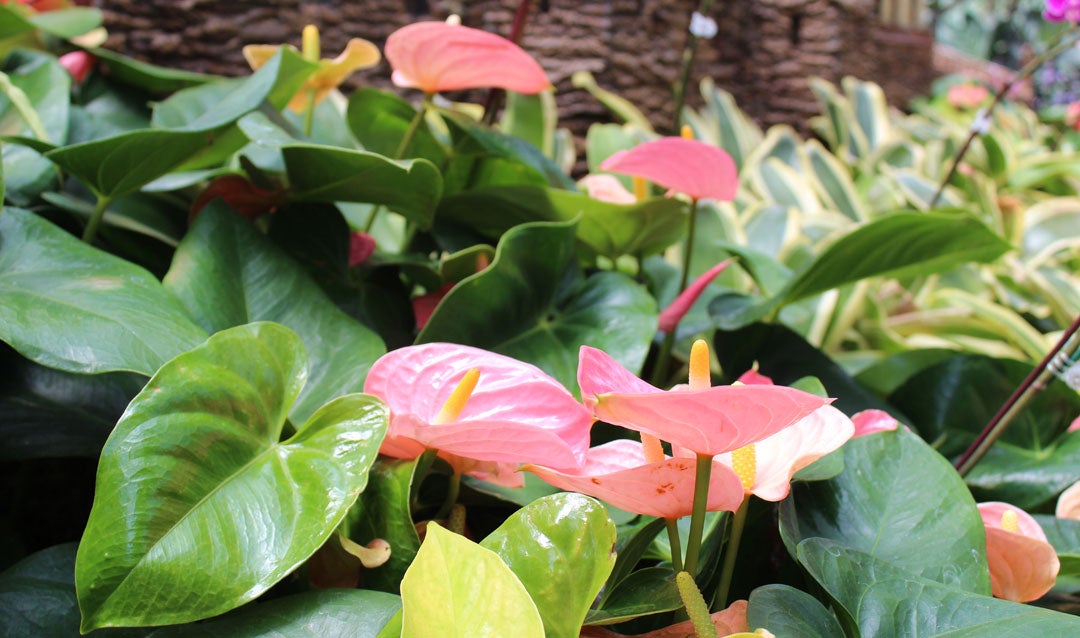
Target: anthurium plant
x,y
283,361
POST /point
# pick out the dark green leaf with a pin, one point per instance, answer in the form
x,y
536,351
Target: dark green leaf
x,y
327,174
647,591
786,611
606,229
221,510
226,274
900,501
379,120
1026,477
629,551
531,305
561,547
1064,535
68,305
887,602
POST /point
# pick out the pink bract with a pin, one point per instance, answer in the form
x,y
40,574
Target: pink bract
x,y
517,413
436,56
1068,505
618,474
607,188
361,246
709,421
871,421
690,167
1023,565
673,314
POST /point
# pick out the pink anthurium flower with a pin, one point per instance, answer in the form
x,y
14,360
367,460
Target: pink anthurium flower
x,y
607,188
515,414
1062,10
1068,505
78,64
690,167
1023,565
708,421
871,421
361,247
673,314
439,56
966,96
619,474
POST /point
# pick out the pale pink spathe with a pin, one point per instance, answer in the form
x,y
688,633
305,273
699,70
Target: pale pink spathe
x,y
516,414
709,422
1023,565
618,474
437,56
871,421
1068,505
690,167
674,313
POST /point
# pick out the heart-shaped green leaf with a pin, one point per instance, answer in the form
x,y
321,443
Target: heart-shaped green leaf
x,y
786,611
67,305
465,591
900,501
148,77
561,547
607,229
531,304
227,274
220,510
888,602
328,174
327,613
379,120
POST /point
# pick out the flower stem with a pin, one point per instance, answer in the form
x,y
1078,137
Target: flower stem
x,y
676,544
403,147
662,361
452,491
695,606
697,517
309,113
732,550
1059,44
95,219
689,251
679,90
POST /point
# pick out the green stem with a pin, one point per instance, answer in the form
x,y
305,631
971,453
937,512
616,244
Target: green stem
x,y
676,544
679,90
697,517
309,113
660,364
662,361
95,219
403,147
689,250
731,552
452,491
1058,45
695,606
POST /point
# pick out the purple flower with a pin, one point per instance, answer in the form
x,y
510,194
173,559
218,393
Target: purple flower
x,y
1062,10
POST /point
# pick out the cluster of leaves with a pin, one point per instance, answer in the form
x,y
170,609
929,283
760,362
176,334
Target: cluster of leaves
x,y
210,367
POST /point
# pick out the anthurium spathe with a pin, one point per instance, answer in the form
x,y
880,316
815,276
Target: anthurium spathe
x,y
690,167
1068,505
708,422
1023,565
358,54
515,413
671,316
440,56
619,474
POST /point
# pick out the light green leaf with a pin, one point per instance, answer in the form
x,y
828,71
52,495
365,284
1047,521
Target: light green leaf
x,y
220,510
226,274
67,305
561,547
465,591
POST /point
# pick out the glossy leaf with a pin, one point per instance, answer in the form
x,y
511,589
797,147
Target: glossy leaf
x,y
647,591
68,305
464,590
1026,476
248,509
326,174
531,305
1064,535
899,501
561,547
327,613
37,595
226,274
786,611
148,77
886,602
384,511
611,230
